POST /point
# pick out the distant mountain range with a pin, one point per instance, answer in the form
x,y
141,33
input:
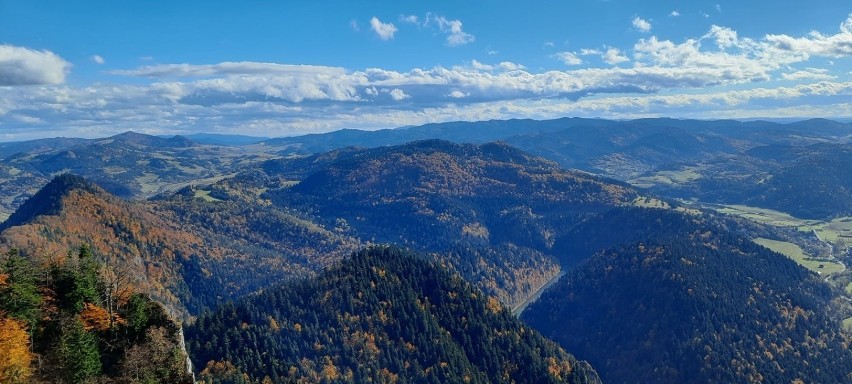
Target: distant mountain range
x,y
135,166
653,290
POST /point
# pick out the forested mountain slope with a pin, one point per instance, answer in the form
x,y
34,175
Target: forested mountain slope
x,y
493,212
693,302
382,315
174,258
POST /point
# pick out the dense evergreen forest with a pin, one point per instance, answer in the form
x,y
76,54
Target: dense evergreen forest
x,y
695,303
382,315
76,320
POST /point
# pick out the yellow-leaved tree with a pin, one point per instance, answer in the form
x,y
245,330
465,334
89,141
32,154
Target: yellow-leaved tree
x,y
16,359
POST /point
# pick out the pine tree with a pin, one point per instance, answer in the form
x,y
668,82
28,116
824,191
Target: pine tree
x,y
19,294
86,282
78,353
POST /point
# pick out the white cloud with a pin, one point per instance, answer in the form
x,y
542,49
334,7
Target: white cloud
x,y
385,31
684,78
98,59
24,66
453,29
835,46
809,74
502,66
613,56
397,94
227,68
674,13
548,44
479,66
718,8
725,37
641,25
510,66
455,35
412,19
569,58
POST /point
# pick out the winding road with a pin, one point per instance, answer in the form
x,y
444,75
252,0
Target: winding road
x,y
522,306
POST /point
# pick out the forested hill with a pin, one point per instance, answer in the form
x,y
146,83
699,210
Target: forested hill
x,y
807,182
694,303
79,321
186,253
491,210
382,315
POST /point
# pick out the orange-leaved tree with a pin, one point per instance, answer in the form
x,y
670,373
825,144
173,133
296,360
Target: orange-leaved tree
x,y
16,358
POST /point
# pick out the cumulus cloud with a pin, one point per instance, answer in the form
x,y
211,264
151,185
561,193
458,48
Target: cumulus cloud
x,y
674,13
397,94
816,43
480,66
641,25
384,31
663,77
98,59
613,56
510,66
569,58
25,66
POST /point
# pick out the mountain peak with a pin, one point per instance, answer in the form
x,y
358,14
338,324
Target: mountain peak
x,y
136,138
48,200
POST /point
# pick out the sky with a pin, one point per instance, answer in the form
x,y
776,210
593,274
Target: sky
x,y
283,68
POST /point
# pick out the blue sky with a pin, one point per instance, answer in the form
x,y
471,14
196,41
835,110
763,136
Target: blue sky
x,y
276,68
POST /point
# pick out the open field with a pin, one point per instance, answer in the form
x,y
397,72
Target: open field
x,y
667,178
767,216
794,252
828,231
650,202
847,324
838,228
205,195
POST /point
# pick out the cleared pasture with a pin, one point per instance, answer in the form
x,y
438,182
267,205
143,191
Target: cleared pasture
x,y
795,252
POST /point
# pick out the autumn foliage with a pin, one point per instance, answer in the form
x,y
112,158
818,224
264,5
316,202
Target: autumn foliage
x,y
15,356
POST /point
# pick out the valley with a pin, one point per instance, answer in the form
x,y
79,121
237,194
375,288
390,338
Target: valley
x,y
560,237
392,192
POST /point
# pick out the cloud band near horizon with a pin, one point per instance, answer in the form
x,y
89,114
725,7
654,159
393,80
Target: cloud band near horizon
x,y
719,74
